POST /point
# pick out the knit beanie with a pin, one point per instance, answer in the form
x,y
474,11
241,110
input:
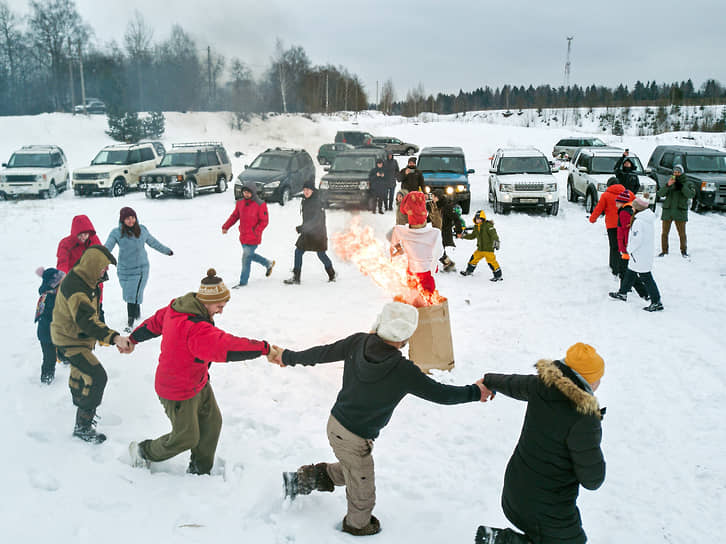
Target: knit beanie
x,y
624,196
639,204
679,168
414,206
212,290
397,322
309,185
583,359
126,212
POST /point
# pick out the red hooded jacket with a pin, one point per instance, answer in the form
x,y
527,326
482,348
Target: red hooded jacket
x,y
607,205
625,220
252,216
70,248
189,343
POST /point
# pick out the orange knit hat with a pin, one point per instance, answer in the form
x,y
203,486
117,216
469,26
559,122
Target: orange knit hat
x,y
583,359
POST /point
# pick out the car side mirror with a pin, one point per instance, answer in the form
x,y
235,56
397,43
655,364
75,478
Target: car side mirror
x,y
648,171
326,168
492,170
554,169
582,168
470,171
5,165
238,154
247,166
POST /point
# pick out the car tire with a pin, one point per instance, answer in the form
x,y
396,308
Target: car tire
x,y
696,205
498,208
554,209
465,206
221,185
150,194
118,188
590,201
284,196
571,194
52,192
410,151
190,189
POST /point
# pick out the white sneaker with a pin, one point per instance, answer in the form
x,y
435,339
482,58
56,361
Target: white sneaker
x,y
137,458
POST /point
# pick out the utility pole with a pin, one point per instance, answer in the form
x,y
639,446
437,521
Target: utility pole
x,y
326,91
567,63
345,106
376,94
209,73
70,74
282,87
83,84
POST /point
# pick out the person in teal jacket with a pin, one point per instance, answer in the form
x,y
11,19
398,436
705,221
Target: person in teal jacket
x,y
133,263
676,192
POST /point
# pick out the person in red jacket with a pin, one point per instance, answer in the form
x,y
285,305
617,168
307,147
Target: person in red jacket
x,y
83,235
251,212
189,343
624,202
606,205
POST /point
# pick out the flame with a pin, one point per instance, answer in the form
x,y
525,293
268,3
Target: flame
x,y
359,246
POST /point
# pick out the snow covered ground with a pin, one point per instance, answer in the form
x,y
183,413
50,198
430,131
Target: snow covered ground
x,y
439,469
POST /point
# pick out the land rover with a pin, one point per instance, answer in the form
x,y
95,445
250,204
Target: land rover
x,y
346,182
522,178
39,170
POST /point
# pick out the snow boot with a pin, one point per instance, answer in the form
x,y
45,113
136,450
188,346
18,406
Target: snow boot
x,y
289,483
469,270
136,454
331,273
654,307
497,275
449,265
307,479
618,296
491,535
47,377
294,280
373,527
268,272
85,428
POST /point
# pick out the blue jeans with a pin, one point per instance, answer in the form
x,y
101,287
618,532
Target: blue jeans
x,y
321,255
249,255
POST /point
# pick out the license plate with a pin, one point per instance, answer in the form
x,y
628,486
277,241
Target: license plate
x,y
528,200
155,186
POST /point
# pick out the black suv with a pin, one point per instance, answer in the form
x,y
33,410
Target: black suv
x,y
354,137
346,183
279,174
705,168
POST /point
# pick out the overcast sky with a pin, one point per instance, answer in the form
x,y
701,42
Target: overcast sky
x,y
451,44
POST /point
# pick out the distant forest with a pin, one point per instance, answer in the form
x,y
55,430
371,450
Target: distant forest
x,y
41,56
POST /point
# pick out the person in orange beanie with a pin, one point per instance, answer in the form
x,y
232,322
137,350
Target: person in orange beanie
x,y
558,450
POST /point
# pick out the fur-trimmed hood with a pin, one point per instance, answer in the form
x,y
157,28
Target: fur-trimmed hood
x,y
551,374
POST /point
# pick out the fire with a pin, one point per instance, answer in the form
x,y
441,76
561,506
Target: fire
x,y
372,257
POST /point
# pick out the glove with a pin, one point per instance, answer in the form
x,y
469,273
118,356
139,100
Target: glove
x,y
624,256
170,253
496,244
298,229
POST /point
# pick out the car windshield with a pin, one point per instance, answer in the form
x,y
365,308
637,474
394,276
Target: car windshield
x,y
270,162
524,165
108,156
24,160
597,142
353,163
453,164
179,159
606,165
706,163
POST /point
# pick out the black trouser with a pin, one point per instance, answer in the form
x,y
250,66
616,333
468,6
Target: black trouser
x,y
614,251
390,191
377,202
49,359
134,310
647,278
88,377
637,284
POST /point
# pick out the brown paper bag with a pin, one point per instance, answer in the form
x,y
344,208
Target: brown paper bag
x,y
431,345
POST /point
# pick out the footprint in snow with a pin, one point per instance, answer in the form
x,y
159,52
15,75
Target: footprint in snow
x,y
43,480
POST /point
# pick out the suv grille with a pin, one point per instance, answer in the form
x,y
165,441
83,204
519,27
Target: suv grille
x,y
82,175
343,185
528,186
20,179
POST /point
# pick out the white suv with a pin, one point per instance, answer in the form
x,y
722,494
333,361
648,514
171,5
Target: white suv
x,y
592,170
39,170
117,168
522,178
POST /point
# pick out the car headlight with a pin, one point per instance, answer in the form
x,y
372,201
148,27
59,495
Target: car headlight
x,y
506,187
363,185
550,187
103,175
3,179
427,189
708,186
273,184
449,190
602,187
324,184
460,188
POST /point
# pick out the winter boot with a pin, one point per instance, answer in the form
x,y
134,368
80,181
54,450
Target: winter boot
x,y
136,454
47,377
295,280
497,275
85,428
307,479
373,527
491,535
269,269
469,270
331,273
618,296
449,265
654,307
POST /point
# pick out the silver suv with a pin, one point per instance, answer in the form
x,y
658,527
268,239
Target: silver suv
x,y
39,170
522,178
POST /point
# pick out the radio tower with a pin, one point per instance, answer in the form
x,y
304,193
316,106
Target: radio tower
x,y
567,64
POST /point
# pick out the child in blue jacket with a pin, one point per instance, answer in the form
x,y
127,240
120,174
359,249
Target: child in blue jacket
x,y
43,316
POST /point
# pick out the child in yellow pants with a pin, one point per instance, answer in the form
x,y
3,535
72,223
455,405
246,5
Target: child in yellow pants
x,y
487,240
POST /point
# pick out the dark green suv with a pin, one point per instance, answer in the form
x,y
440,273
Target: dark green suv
x,y
279,174
328,152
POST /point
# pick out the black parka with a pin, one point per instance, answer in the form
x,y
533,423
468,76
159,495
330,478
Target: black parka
x,y
390,166
413,181
449,222
558,450
625,175
377,180
313,232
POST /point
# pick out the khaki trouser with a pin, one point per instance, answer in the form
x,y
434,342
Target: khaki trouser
x,y
354,470
195,425
680,227
87,379
488,255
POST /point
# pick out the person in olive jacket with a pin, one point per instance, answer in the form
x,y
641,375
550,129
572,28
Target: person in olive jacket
x,y
558,450
487,240
313,234
675,208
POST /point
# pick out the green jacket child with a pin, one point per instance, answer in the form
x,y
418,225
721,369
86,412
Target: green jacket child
x,y
487,240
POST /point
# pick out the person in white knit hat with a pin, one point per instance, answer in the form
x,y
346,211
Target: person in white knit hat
x,y
376,377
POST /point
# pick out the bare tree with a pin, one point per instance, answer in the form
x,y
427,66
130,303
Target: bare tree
x,y
10,52
388,97
138,41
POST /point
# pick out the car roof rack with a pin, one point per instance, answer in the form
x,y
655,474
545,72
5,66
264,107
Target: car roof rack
x,y
197,144
39,147
288,149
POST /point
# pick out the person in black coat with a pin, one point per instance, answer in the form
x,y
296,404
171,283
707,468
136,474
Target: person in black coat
x,y
624,172
51,278
449,225
558,450
390,167
411,177
313,234
378,186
